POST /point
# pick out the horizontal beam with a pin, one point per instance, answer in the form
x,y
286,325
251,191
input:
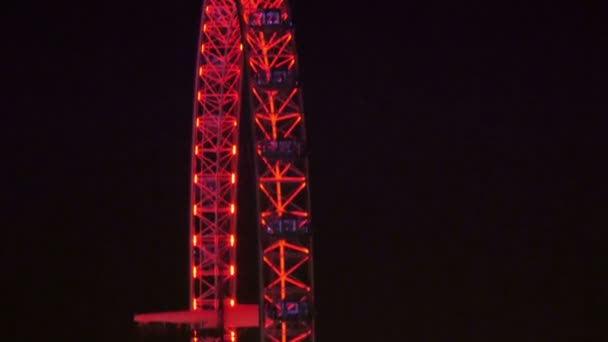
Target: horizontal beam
x,y
239,316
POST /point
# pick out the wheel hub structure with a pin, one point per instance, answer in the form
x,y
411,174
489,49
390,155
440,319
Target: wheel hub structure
x,y
248,45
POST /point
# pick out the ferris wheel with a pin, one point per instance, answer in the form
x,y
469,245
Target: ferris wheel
x,y
250,45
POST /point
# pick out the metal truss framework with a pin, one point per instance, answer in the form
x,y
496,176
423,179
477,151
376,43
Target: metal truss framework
x,y
286,265
216,112
285,260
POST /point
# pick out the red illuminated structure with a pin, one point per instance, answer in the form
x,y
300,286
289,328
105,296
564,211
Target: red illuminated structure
x,y
252,41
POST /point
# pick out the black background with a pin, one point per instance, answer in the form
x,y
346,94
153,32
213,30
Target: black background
x,y
453,149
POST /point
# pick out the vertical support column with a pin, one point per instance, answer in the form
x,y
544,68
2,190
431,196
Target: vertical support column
x,y
215,156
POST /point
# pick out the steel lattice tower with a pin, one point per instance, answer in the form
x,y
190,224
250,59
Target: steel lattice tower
x,y
248,41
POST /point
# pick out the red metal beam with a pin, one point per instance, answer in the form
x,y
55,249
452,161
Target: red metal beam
x,y
239,316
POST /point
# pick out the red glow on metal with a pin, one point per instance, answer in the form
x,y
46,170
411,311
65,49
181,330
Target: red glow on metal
x,y
216,111
225,54
283,187
239,315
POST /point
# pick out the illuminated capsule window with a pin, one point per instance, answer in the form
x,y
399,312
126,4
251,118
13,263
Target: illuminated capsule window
x,y
269,19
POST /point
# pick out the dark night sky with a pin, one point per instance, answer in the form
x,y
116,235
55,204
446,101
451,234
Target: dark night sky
x,y
453,149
